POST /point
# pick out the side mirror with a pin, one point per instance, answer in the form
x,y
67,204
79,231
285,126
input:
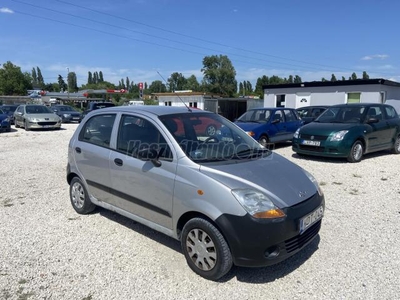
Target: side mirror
x,y
147,154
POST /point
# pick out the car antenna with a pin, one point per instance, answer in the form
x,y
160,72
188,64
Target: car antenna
x,y
175,93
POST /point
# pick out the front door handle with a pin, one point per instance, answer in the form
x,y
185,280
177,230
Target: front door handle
x,y
78,150
118,162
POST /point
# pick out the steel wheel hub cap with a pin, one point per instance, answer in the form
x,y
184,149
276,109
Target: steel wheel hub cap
x,y
78,195
201,249
357,151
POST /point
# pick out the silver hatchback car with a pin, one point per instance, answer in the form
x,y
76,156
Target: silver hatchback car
x,y
226,198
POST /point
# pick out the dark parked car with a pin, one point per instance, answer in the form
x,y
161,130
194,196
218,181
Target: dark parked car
x,y
66,113
95,105
9,109
5,124
310,113
209,193
350,130
270,125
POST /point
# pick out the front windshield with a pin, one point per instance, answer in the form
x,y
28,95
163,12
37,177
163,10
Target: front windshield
x,y
207,137
66,108
256,116
38,109
342,114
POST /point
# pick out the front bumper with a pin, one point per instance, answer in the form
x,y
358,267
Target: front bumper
x,y
44,125
261,242
325,149
5,126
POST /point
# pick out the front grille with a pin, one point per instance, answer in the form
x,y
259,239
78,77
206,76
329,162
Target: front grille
x,y
313,137
300,240
311,148
46,123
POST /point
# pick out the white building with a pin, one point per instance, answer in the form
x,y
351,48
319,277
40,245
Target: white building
x,y
295,95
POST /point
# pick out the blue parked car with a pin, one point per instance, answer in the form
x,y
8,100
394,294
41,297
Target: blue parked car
x,y
5,124
270,125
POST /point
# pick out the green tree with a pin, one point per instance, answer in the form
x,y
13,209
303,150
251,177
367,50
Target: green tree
x,y
34,78
72,82
365,75
219,75
51,87
343,78
353,76
95,77
176,82
333,78
62,86
101,79
297,79
40,79
192,84
261,81
323,79
290,79
13,81
90,78
128,83
157,86
241,88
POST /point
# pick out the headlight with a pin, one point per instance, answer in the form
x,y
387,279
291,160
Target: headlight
x,y
250,133
297,133
33,120
338,136
315,182
257,204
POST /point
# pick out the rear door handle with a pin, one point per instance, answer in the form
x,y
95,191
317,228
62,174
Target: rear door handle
x,y
78,150
118,162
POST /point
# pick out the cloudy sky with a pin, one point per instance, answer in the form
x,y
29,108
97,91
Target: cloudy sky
x,y
139,38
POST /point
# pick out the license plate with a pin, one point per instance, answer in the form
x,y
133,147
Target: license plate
x,y
311,143
47,126
312,218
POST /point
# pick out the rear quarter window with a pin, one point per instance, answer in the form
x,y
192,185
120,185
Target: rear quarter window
x,y
97,130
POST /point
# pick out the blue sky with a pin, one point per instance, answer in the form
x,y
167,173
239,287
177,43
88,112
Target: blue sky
x,y
138,38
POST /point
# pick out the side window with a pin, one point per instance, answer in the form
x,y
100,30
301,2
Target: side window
x,y
136,133
278,115
289,115
390,112
317,111
97,130
374,112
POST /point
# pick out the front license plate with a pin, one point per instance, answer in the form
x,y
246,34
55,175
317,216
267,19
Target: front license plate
x,y
47,126
312,218
311,143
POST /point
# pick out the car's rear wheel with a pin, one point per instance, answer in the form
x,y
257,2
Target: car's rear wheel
x,y
396,145
263,140
205,249
79,197
356,152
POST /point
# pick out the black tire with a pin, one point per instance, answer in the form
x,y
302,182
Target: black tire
x,y
79,197
396,145
8,129
264,140
16,125
26,126
211,130
356,152
216,257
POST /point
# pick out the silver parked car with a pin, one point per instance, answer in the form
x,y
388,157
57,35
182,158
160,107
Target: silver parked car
x,y
35,116
227,199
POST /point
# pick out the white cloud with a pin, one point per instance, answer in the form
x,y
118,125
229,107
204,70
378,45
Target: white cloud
x,y
386,67
6,10
378,56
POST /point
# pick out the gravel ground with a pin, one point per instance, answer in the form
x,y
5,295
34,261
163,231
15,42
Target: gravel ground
x,y
47,251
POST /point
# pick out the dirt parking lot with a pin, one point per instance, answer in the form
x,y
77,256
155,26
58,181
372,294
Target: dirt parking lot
x,y
47,251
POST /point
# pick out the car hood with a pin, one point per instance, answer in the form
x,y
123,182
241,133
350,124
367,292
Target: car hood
x,y
50,117
316,128
3,116
248,126
285,182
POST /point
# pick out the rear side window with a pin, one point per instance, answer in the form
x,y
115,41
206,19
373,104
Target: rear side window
x,y
97,130
290,116
390,112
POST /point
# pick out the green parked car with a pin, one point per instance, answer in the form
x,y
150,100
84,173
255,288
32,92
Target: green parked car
x,y
350,131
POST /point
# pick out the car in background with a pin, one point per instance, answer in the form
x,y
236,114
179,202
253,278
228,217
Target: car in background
x,y
212,195
67,113
350,131
5,122
9,109
310,113
35,116
270,125
95,105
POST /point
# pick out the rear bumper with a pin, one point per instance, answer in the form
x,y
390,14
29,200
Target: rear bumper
x,y
257,243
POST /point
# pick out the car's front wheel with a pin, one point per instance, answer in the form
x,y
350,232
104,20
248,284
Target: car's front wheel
x,y
16,124
356,152
79,197
264,140
26,126
205,249
396,145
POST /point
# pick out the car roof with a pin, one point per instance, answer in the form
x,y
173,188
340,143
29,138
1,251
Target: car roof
x,y
356,104
269,108
313,106
153,109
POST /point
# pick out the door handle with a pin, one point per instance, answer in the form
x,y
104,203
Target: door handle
x,y
78,150
118,162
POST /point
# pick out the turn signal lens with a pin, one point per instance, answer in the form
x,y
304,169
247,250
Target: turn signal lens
x,y
251,133
270,214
